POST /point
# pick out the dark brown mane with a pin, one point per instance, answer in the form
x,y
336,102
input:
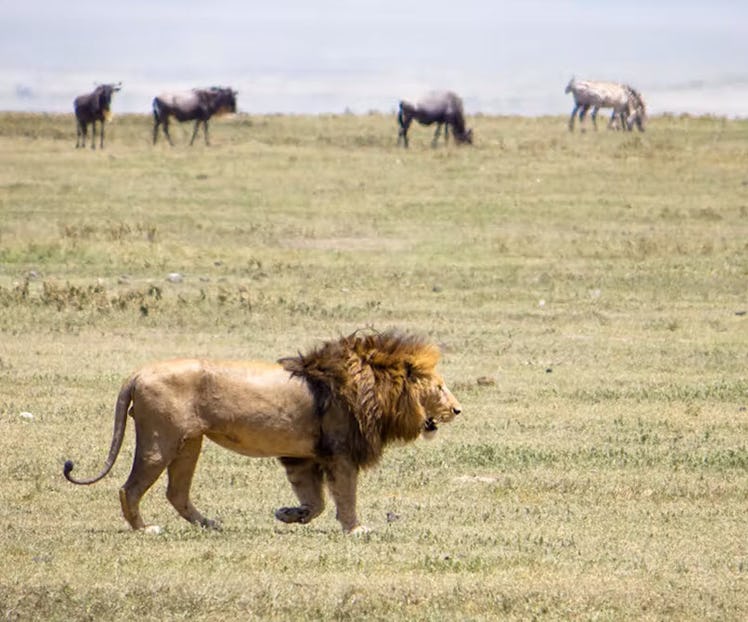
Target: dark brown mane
x,y
374,378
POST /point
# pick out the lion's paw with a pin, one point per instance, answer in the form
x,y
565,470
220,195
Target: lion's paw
x,y
153,530
293,515
359,530
209,523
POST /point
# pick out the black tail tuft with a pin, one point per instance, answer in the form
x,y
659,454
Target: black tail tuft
x,y
67,468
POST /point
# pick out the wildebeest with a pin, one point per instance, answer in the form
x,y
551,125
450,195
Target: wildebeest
x,y
627,103
197,105
90,108
443,108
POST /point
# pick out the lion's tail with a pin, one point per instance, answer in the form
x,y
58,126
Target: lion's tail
x,y
120,419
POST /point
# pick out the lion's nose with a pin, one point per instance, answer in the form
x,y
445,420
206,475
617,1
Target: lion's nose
x,y
456,410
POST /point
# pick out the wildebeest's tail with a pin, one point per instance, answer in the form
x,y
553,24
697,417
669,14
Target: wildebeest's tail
x,y
120,419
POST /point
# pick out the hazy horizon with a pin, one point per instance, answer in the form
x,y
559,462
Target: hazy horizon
x,y
502,57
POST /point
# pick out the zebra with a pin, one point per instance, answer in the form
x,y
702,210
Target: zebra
x,y
627,103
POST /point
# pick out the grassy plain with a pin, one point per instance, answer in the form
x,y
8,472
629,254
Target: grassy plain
x,y
595,283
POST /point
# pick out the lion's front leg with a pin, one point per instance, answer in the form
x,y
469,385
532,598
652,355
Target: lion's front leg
x,y
342,480
306,478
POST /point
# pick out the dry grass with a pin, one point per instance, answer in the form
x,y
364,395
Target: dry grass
x,y
589,292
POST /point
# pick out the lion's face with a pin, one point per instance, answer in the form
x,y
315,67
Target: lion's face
x,y
439,404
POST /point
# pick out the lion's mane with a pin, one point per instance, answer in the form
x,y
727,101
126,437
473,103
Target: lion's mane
x,y
375,379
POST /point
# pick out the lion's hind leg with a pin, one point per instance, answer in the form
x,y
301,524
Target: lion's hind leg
x,y
152,455
306,477
181,471
143,475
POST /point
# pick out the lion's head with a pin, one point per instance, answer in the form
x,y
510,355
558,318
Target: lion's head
x,y
439,404
386,382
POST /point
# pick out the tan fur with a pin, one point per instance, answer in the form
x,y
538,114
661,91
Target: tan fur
x,y
325,415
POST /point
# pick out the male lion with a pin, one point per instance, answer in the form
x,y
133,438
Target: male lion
x,y
325,415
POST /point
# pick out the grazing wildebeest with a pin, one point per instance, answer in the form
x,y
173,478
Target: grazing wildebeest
x,y
197,105
90,108
442,108
626,102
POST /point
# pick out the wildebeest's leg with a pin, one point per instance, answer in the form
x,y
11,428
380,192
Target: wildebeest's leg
x,y
594,116
306,478
205,131
93,134
194,133
165,123
573,115
78,134
101,133
403,135
404,119
156,123
446,133
436,134
181,470
342,479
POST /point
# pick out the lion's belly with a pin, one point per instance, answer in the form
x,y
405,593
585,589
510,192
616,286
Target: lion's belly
x,y
261,444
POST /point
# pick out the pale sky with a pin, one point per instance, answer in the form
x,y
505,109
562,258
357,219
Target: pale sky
x,y
511,57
